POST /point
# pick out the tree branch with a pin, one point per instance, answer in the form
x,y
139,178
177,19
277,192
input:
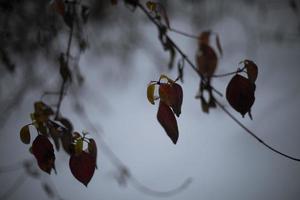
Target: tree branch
x,y
216,101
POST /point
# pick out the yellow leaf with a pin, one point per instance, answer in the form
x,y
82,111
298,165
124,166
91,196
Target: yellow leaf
x,y
150,93
151,6
25,134
78,146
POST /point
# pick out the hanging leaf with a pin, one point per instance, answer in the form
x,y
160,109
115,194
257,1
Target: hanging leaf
x,y
252,70
171,94
54,133
66,140
150,93
240,94
82,167
204,38
43,151
207,60
167,120
25,134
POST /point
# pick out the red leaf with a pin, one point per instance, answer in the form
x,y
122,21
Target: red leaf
x,y
167,120
83,166
43,151
207,60
240,94
204,38
171,94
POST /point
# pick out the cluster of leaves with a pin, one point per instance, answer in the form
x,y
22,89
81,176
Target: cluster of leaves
x,y
60,130
171,96
240,90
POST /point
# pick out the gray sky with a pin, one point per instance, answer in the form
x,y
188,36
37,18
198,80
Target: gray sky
x,y
223,161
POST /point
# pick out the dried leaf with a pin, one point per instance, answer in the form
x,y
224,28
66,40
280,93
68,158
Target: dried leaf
x,y
252,70
167,120
240,94
25,134
204,38
207,60
43,151
150,93
82,167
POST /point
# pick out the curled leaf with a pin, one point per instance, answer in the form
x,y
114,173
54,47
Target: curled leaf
x,y
240,94
82,167
168,121
150,93
43,151
25,134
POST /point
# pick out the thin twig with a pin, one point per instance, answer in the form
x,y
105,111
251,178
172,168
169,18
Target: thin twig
x,y
184,34
253,134
63,85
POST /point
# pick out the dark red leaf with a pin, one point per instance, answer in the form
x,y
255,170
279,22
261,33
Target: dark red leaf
x,y
167,120
240,94
43,151
83,166
171,94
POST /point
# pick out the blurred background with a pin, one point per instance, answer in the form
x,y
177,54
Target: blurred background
x,y
115,54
